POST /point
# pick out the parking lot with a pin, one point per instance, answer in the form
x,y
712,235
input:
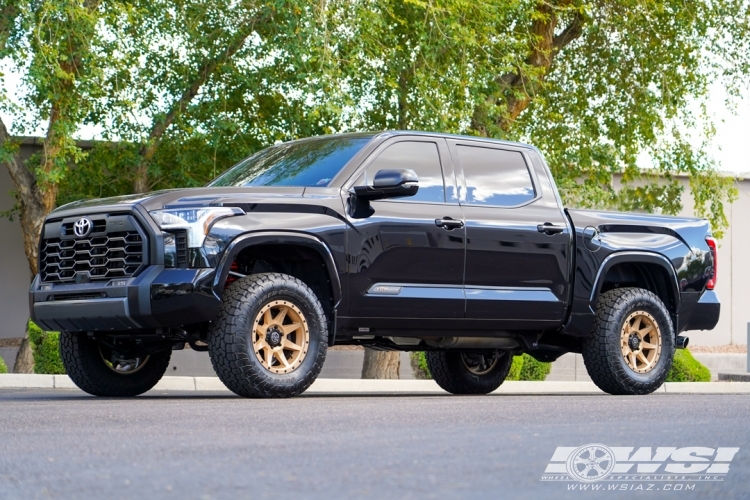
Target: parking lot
x,y
64,444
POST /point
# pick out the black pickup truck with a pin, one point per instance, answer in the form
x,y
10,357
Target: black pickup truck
x,y
457,246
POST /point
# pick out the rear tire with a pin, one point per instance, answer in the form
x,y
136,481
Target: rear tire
x,y
91,366
468,373
632,345
270,338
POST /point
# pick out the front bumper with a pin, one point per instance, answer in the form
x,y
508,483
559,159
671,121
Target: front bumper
x,y
156,298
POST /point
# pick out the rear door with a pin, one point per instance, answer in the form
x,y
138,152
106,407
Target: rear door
x,y
517,241
408,256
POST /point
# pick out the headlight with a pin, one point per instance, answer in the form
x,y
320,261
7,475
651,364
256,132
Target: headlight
x,y
196,221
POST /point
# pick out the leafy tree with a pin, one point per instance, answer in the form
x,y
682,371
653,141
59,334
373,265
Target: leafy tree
x,y
214,80
133,69
52,42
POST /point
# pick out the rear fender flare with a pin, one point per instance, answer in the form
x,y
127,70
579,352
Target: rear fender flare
x,y
638,258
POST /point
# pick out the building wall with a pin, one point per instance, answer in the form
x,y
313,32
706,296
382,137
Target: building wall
x,y
15,276
734,272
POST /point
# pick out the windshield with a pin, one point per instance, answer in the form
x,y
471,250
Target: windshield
x,y
307,163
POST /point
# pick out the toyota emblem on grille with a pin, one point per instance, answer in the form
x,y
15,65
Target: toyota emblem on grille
x,y
82,227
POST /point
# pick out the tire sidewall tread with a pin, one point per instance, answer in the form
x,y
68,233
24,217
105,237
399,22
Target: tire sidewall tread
x,y
449,371
86,368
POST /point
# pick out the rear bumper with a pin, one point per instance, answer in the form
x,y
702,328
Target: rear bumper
x,y
156,298
699,311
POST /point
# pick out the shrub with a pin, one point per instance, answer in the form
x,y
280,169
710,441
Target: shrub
x,y
515,368
524,367
45,347
3,368
419,365
533,369
686,368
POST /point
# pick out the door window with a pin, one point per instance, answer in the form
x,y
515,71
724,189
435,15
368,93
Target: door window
x,y
423,158
495,177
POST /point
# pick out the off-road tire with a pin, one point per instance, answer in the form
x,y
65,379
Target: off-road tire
x,y
83,362
602,353
451,373
230,346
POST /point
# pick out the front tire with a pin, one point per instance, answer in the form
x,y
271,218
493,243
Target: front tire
x,y
96,369
270,338
468,373
632,345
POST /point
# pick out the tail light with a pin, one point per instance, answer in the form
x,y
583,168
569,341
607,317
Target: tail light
x,y
714,254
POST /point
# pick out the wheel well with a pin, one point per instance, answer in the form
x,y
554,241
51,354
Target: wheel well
x,y
302,262
651,277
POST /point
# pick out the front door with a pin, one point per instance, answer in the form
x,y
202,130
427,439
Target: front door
x,y
515,273
407,258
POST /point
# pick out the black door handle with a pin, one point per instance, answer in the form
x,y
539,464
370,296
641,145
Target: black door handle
x,y
549,228
448,223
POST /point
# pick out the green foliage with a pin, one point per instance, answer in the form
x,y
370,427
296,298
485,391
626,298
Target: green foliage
x,y
685,368
3,367
61,54
418,360
533,369
515,368
46,349
526,367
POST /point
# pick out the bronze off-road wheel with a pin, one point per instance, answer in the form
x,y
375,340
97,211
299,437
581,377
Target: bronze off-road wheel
x,y
270,337
632,344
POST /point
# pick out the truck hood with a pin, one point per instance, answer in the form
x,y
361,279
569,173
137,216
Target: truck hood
x,y
194,197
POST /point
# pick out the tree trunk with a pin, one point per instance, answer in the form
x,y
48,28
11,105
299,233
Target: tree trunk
x,y
381,364
403,101
32,220
24,359
516,89
208,67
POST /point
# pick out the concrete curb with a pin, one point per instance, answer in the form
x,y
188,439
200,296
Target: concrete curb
x,y
358,386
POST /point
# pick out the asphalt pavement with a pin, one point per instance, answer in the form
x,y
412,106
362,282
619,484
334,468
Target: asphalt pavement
x,y
189,445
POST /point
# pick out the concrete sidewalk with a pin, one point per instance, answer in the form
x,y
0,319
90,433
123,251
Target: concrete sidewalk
x,y
358,386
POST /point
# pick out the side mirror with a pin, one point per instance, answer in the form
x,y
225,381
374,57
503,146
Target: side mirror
x,y
395,183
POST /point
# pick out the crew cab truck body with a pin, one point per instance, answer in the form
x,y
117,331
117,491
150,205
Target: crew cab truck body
x,y
457,246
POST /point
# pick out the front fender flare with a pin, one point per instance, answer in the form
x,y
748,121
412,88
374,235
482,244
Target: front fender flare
x,y
246,240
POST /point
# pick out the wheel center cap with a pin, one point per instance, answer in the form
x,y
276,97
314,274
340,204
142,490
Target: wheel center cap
x,y
634,342
273,337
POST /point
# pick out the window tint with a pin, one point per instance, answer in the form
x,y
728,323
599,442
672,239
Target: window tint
x,y
423,158
495,176
312,162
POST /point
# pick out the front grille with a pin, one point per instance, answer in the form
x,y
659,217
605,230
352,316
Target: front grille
x,y
115,248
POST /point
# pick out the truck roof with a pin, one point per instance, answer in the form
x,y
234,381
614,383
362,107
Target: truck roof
x,y
393,133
